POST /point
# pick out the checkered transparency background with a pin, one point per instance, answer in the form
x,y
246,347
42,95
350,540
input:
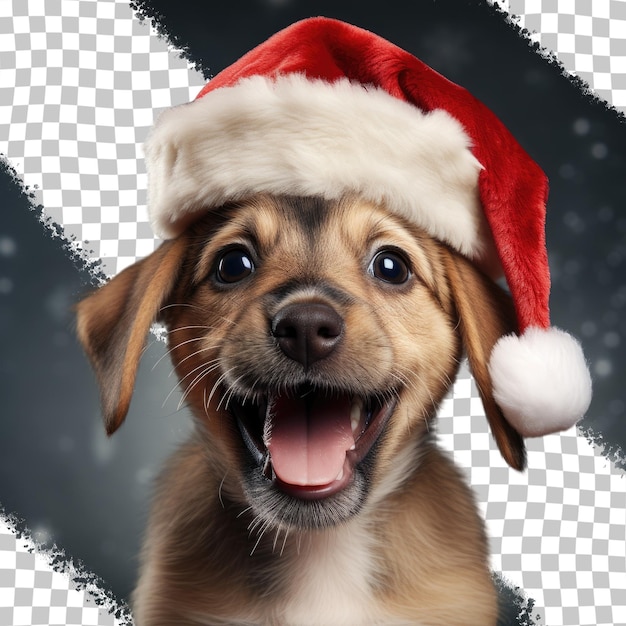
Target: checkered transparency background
x,y
81,82
587,37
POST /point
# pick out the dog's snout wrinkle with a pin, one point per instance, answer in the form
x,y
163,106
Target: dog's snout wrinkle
x,y
307,332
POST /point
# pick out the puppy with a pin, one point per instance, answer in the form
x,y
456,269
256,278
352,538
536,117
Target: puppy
x,y
314,341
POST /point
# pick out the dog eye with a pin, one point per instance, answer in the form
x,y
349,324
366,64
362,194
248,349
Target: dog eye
x,y
233,266
390,267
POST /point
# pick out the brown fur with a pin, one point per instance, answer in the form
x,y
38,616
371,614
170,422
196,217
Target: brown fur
x,y
215,556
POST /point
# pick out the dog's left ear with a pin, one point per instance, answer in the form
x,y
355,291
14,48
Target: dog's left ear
x,y
113,323
485,313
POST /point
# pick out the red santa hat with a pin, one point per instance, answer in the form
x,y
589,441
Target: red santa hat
x,y
323,108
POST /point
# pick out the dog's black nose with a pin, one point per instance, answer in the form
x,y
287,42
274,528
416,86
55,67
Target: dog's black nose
x,y
307,331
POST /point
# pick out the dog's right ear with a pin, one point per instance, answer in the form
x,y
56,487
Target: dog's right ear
x,y
113,323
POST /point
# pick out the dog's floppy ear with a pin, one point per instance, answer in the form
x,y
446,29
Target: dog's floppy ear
x,y
113,323
485,313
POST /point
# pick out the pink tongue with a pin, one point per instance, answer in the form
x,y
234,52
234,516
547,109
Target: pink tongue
x,y
309,440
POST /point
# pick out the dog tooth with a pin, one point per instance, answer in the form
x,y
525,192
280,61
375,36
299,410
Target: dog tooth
x,y
340,475
355,415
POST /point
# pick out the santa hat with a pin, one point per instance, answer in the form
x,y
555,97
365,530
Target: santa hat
x,y
323,109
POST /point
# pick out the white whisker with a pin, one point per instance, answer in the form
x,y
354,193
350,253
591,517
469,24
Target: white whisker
x,y
282,549
246,510
219,491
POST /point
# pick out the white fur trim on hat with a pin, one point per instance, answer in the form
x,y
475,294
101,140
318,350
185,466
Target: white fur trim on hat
x,y
540,380
295,136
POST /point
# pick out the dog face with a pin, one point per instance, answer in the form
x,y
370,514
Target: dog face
x,y
326,330
313,341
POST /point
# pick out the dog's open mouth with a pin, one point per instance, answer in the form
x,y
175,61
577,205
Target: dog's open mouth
x,y
308,441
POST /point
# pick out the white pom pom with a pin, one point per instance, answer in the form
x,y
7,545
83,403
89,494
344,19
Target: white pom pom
x,y
540,380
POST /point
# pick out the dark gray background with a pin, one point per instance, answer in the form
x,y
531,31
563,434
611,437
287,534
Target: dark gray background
x,y
90,495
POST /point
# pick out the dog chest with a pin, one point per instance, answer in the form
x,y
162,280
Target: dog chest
x,y
334,578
